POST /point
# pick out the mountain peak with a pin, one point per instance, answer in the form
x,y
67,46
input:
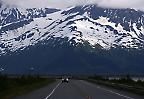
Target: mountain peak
x,y
108,28
80,39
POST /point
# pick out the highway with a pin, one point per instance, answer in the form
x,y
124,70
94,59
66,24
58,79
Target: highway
x,y
78,89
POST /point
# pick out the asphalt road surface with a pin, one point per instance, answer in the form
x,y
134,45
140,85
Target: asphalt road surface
x,y
78,89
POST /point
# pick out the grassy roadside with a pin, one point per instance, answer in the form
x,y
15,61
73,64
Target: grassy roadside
x,y
125,84
11,87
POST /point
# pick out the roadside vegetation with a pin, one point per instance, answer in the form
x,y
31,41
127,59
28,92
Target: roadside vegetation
x,y
14,86
122,83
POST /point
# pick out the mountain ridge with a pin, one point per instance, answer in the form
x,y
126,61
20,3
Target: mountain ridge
x,y
80,39
82,23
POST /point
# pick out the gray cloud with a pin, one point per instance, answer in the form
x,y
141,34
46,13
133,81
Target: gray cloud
x,y
139,4
122,3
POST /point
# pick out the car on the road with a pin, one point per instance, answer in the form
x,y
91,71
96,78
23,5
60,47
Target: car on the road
x,y
65,80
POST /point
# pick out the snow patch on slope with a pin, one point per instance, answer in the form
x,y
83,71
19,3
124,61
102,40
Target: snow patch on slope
x,y
79,28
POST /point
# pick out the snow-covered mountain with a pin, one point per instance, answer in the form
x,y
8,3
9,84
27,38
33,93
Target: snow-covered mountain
x,y
79,39
15,14
107,28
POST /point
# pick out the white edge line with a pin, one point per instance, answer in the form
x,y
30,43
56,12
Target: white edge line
x,y
53,90
127,97
115,93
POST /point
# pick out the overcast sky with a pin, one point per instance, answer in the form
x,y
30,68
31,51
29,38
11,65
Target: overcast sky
x,y
66,3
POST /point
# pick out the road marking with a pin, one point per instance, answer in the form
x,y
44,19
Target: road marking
x,y
115,93
53,90
127,97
